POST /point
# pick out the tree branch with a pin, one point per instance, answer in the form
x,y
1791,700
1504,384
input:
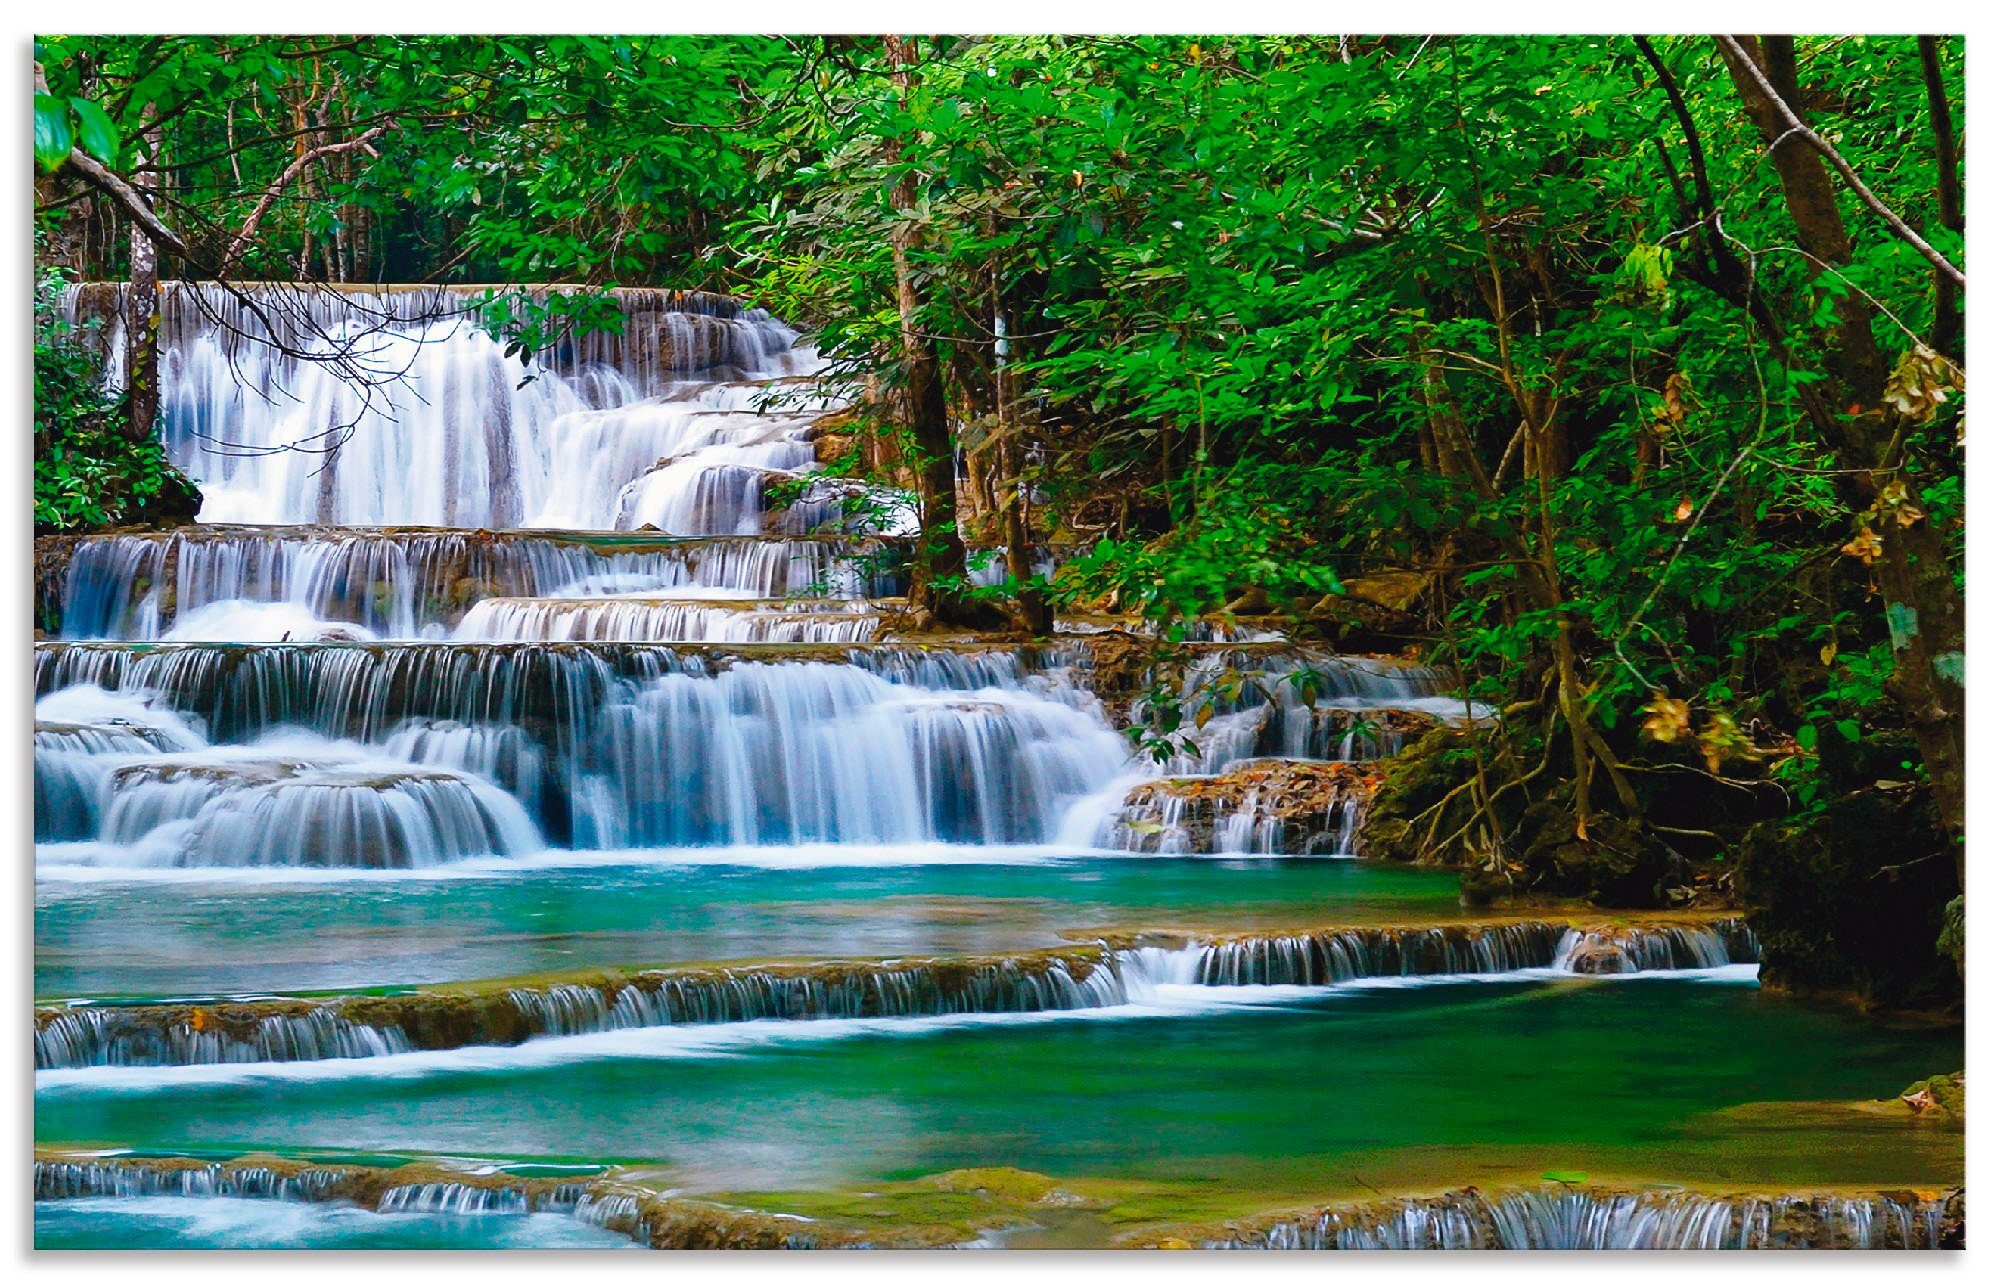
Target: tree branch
x,y
237,247
129,198
1751,72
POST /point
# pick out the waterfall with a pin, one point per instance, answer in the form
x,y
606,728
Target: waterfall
x,y
106,1036
799,753
294,799
1260,807
390,1192
295,404
82,735
1286,705
84,1179
613,746
204,584
665,620
1099,975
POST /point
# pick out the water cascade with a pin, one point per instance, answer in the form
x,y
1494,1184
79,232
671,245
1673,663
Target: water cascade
x,y
1582,1219
1099,975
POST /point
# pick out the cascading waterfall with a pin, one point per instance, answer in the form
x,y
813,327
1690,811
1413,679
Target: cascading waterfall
x,y
84,1179
1261,807
384,1192
207,585
292,799
681,422
666,620
75,1036
763,754
652,1217
1571,1219
602,600
435,423
612,747
1302,707
81,735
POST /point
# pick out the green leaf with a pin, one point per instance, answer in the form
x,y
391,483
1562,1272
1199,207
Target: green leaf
x,y
1569,1177
1808,737
95,131
52,135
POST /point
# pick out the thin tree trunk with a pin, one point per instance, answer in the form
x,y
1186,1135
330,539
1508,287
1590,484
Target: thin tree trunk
x,y
142,306
1014,512
938,569
1948,320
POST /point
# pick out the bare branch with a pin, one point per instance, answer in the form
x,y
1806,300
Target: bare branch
x,y
237,247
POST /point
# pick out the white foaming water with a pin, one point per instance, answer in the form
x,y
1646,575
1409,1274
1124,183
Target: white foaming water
x,y
237,620
405,585
291,799
499,619
1163,996
804,753
211,1222
436,424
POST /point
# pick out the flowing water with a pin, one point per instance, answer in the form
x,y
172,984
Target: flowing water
x,y
503,732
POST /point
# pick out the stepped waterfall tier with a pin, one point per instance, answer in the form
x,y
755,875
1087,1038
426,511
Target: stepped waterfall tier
x,y
505,727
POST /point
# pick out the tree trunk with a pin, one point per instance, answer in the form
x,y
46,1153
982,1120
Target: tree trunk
x,y
937,572
1014,511
142,310
1948,321
1926,612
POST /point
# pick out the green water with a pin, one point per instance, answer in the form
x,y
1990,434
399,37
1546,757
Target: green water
x,y
169,1222
238,935
1385,1087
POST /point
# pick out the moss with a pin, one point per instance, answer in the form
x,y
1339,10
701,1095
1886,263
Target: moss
x,y
1397,826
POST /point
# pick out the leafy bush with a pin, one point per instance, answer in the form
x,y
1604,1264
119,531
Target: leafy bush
x,y
89,471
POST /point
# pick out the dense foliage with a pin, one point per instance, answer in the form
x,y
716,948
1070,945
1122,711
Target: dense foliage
x,y
89,470
1661,412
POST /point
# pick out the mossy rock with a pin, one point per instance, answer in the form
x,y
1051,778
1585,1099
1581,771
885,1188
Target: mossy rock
x,y
1413,782
1016,1185
1615,862
1855,900
1942,1095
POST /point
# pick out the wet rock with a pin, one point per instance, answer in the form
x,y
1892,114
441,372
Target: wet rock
x,y
1267,806
1615,861
1415,805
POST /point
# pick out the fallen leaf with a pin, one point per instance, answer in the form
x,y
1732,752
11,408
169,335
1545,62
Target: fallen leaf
x,y
1867,546
1667,719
